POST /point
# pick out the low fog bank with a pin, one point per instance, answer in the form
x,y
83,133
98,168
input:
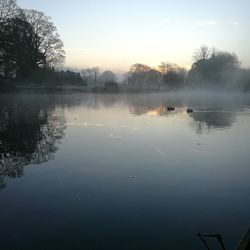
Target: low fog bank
x,y
210,110
212,71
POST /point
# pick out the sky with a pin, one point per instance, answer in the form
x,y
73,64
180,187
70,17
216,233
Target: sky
x,y
114,34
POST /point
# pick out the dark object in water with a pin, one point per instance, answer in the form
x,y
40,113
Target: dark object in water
x,y
190,110
244,244
217,236
170,108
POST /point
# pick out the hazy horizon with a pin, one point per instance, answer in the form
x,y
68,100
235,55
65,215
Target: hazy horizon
x,y
115,34
124,124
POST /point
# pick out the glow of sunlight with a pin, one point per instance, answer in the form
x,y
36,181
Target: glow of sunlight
x,y
158,111
153,113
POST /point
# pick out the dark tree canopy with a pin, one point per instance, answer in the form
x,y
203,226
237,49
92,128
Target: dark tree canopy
x,y
215,68
8,9
173,76
47,40
29,42
18,53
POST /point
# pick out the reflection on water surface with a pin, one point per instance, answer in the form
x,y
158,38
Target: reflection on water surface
x,y
105,171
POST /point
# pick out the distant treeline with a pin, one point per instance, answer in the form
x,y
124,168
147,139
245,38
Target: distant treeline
x,y
212,69
30,48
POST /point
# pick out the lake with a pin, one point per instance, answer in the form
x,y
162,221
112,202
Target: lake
x,y
103,171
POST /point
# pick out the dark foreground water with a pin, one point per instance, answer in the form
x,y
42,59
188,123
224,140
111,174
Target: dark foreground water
x,y
121,172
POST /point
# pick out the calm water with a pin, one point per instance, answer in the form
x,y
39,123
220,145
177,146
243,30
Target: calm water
x,y
120,172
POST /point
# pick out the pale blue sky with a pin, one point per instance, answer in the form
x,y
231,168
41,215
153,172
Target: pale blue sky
x,y
115,34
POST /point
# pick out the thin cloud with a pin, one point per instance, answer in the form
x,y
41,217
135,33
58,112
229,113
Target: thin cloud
x,y
207,23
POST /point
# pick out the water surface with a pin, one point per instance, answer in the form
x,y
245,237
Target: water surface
x,y
85,171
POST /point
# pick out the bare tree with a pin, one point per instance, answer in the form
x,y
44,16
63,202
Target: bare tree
x,y
202,53
139,68
91,76
172,74
214,52
166,67
142,76
48,40
154,79
8,9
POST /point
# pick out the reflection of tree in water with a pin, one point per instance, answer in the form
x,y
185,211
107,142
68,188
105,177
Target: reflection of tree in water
x,y
30,132
217,111
160,110
205,121
211,111
201,120
154,105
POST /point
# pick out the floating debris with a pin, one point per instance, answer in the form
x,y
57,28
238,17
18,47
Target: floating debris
x,y
112,136
201,151
132,177
157,149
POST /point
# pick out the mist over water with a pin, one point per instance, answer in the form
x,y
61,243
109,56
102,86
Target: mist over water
x,y
102,171
124,125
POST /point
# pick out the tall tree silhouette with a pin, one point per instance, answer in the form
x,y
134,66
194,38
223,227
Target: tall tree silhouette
x,y
19,53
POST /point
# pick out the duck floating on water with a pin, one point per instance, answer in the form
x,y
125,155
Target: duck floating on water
x,y
170,108
190,110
